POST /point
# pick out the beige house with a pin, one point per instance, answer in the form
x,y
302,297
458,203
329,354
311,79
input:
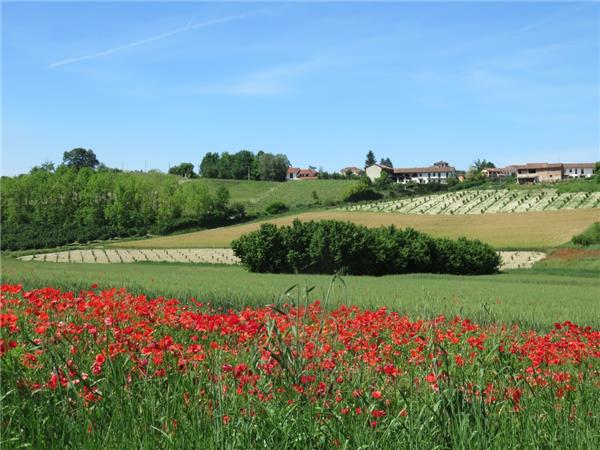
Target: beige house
x,y
552,172
375,171
539,173
351,170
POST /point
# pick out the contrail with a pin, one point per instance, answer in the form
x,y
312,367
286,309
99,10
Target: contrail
x,y
188,27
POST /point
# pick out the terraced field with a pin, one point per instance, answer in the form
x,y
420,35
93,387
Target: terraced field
x,y
486,201
107,256
510,260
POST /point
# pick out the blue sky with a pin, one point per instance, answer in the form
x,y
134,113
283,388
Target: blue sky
x,y
148,84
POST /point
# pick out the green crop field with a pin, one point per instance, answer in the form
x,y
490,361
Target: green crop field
x,y
256,195
557,290
531,230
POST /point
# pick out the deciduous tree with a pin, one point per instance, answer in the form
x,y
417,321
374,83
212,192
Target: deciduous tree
x,y
80,157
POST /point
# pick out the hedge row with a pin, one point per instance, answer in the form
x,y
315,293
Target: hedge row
x,y
331,246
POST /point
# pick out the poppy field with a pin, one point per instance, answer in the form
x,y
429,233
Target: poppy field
x,y
110,369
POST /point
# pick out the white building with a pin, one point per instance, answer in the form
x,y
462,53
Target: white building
x,y
577,170
295,173
439,172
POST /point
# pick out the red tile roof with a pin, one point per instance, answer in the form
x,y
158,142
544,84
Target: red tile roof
x,y
544,166
579,165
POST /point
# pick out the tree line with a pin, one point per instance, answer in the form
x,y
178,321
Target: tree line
x,y
245,165
51,207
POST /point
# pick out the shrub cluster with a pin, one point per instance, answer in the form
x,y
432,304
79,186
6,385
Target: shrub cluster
x,y
591,236
361,192
276,207
331,246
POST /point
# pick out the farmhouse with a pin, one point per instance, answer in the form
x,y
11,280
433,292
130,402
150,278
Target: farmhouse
x,y
351,170
578,170
499,173
295,173
439,172
552,172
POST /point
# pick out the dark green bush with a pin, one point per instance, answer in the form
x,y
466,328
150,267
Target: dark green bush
x,y
362,192
264,250
331,246
591,236
276,208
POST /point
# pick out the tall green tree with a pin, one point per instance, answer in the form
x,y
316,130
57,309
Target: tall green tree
x,y
273,167
225,166
386,162
242,165
480,164
184,169
209,167
79,158
46,166
370,159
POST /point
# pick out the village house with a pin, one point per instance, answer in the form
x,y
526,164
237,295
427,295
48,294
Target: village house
x,y
439,172
578,170
295,173
351,170
552,172
499,173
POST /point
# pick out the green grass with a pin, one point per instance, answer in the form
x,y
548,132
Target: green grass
x,y
257,195
585,264
535,298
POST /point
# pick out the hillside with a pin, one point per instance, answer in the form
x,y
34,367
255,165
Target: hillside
x,y
256,195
